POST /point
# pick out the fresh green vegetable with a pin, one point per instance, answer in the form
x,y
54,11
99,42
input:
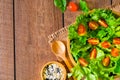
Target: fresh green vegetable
x,y
78,72
117,68
83,6
61,4
81,48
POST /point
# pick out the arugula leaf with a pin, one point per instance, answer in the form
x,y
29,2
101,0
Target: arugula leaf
x,y
84,6
61,4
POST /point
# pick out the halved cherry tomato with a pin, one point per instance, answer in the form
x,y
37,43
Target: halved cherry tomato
x,y
115,52
81,30
102,23
93,25
106,61
116,41
105,44
83,62
93,53
93,41
72,6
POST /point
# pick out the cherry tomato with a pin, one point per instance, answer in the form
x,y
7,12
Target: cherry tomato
x,y
93,53
106,61
72,6
83,62
116,41
81,30
115,52
93,25
93,41
105,44
102,23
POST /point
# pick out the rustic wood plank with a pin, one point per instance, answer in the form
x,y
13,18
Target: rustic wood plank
x,y
71,16
98,3
35,20
115,1
6,40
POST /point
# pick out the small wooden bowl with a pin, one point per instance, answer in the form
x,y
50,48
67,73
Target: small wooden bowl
x,y
64,72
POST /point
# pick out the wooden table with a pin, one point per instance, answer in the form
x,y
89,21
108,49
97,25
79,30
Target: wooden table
x,y
24,27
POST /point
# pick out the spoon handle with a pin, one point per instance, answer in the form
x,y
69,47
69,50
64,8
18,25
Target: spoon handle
x,y
68,64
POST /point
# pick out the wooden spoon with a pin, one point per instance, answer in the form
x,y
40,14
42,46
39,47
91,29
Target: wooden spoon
x,y
59,50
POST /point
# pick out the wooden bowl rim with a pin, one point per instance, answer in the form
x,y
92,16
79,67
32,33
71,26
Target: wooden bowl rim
x,y
58,63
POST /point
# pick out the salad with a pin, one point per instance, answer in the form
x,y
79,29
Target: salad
x,y
95,45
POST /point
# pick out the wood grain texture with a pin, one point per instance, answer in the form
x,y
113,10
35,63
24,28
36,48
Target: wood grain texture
x,y
71,16
6,40
115,1
98,3
35,20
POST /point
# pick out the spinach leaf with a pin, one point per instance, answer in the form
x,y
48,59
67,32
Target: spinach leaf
x,y
61,4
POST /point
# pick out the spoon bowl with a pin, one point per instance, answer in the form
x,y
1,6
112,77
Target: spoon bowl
x,y
59,49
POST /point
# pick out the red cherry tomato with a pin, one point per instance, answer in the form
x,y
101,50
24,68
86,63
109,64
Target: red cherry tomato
x,y
93,53
115,52
72,6
116,41
93,25
83,62
103,23
93,41
105,44
106,61
81,30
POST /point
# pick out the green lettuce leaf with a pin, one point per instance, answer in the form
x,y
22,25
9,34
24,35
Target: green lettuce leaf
x,y
117,69
78,72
